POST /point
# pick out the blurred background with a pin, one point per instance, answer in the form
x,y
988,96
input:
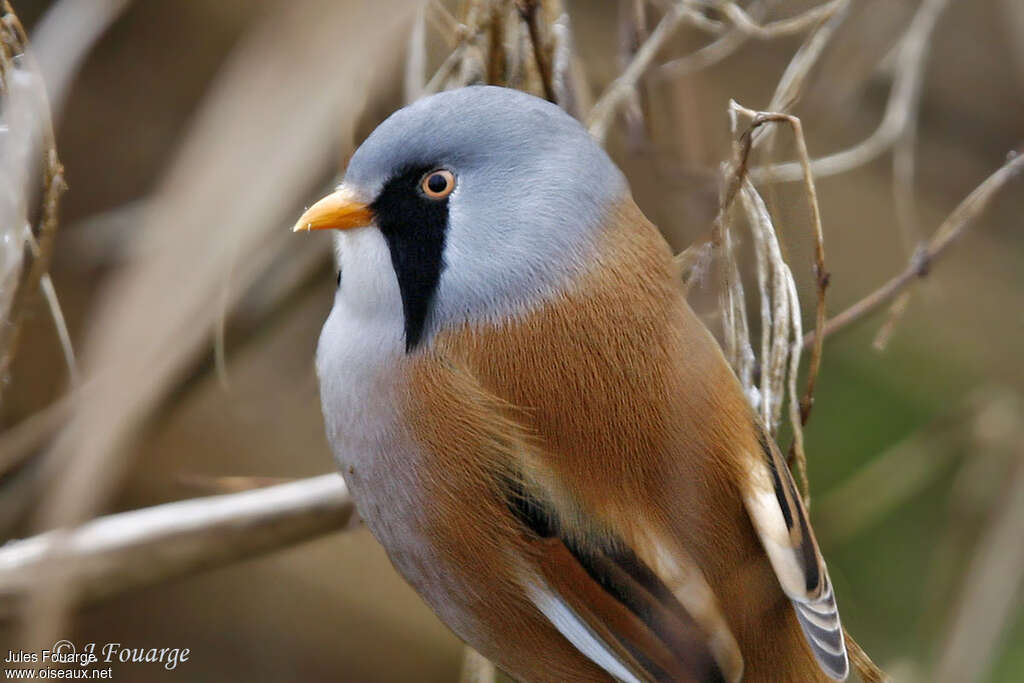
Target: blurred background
x,y
194,132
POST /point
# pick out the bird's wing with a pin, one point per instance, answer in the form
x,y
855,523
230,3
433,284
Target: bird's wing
x,y
616,609
778,515
637,614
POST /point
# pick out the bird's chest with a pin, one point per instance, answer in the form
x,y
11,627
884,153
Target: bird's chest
x,y
362,368
360,364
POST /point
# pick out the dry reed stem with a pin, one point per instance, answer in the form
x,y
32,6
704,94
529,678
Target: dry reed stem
x,y
734,320
528,11
899,110
604,111
469,60
56,314
709,55
29,163
821,276
749,25
20,441
773,358
229,173
868,671
444,22
128,550
62,39
920,264
794,78
414,80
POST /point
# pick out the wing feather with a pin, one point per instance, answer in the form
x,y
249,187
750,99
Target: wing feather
x,y
778,515
617,600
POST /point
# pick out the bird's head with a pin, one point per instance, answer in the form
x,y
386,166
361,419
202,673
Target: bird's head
x,y
467,206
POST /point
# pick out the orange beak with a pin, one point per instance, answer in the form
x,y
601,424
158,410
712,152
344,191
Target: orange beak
x,y
339,210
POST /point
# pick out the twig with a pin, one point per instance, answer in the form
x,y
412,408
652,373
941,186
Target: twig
x,y
20,441
921,262
564,80
33,151
528,13
898,111
782,27
791,84
867,669
603,113
447,67
497,58
710,54
747,142
129,364
444,22
120,552
414,76
56,313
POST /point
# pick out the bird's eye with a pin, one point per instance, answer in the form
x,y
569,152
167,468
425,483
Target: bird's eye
x,y
438,184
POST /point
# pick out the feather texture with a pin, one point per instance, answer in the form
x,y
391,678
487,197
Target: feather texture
x,y
781,521
648,544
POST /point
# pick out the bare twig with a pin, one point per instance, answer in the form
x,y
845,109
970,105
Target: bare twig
x,y
601,116
414,80
791,84
141,338
28,161
867,669
528,10
899,109
779,28
726,44
444,22
920,264
56,313
20,441
119,552
747,142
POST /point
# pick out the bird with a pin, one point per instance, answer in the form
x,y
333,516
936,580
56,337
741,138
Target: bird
x,y
544,437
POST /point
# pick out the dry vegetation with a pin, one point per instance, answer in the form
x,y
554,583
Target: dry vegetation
x,y
215,227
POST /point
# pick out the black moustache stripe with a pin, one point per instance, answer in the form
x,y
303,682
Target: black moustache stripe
x,y
414,227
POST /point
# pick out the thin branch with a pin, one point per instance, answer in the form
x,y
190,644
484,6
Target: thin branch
x,y
782,27
415,74
867,669
601,116
120,552
712,53
747,141
444,22
20,441
791,84
56,312
26,163
921,262
528,13
899,109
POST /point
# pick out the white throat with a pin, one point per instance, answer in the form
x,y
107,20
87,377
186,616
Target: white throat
x,y
361,340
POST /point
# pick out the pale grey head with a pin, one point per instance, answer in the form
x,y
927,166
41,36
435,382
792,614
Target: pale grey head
x,y
530,192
